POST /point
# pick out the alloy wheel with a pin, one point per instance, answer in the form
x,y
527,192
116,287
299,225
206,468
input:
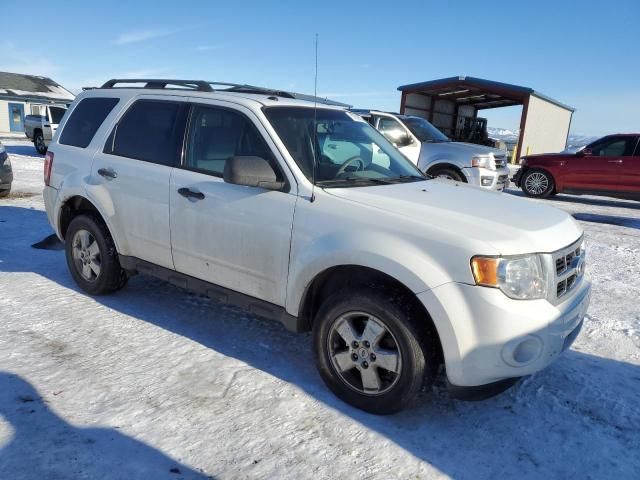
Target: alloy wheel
x,y
536,183
364,353
86,255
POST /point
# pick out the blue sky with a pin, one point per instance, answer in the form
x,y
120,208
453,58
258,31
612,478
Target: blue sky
x,y
583,53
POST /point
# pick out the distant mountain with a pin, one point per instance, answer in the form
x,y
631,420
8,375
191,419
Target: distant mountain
x,y
574,142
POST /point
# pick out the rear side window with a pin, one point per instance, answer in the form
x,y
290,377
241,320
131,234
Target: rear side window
x,y
85,121
151,130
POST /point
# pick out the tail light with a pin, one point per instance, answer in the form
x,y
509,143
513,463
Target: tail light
x,y
48,165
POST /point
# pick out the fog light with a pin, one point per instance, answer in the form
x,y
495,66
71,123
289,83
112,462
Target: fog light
x,y
486,181
523,351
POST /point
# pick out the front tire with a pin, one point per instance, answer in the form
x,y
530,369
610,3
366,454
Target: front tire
x,y
92,257
38,142
537,183
371,350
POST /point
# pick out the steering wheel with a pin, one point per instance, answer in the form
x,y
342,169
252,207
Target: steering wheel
x,y
348,162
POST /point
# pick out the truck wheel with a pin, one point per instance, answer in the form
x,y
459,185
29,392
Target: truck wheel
x,y
38,142
449,174
537,183
371,352
5,193
92,257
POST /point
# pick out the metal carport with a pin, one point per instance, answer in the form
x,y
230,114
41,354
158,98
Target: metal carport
x,y
544,124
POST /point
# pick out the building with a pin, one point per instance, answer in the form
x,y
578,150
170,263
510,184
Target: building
x,y
22,95
449,103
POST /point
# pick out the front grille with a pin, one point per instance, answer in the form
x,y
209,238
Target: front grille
x,y
569,268
501,161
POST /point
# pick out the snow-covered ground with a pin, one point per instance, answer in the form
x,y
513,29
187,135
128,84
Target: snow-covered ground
x,y
154,382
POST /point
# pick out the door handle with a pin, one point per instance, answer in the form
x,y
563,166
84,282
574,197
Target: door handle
x,y
188,193
107,173
614,161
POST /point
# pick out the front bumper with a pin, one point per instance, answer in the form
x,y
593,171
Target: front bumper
x,y
487,337
489,179
518,176
6,173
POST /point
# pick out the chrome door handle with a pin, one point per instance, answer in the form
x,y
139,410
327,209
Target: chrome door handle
x,y
614,161
107,173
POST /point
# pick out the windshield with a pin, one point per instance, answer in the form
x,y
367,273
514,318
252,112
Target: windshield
x,y
348,151
424,130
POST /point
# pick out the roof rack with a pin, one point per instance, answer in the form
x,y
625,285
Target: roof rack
x,y
199,85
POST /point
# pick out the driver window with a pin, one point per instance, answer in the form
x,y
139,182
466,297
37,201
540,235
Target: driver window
x,y
390,128
614,147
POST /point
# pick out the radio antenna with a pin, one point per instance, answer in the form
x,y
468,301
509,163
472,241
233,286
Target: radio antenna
x,y
315,128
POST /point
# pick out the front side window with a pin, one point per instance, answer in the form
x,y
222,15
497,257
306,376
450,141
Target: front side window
x,y
613,147
346,150
217,134
85,120
391,129
150,130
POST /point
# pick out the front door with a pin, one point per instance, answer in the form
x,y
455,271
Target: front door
x,y
598,168
16,117
234,236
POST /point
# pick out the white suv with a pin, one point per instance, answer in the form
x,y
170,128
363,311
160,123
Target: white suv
x,y
236,193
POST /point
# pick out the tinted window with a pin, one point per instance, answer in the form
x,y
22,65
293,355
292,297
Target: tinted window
x,y
85,120
151,131
613,147
56,114
216,135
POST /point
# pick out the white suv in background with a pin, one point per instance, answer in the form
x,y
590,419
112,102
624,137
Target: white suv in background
x,y
236,193
436,155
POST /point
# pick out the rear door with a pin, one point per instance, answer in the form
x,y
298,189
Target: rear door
x,y
630,170
134,171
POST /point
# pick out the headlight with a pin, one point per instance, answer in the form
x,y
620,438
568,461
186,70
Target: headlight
x,y
520,278
481,161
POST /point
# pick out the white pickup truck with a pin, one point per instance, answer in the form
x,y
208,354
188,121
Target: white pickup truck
x,y
237,193
41,128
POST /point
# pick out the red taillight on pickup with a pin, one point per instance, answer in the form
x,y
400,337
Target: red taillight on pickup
x,y
48,165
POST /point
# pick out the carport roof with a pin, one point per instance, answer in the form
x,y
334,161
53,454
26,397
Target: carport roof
x,y
478,92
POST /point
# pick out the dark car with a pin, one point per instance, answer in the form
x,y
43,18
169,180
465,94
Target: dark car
x,y
609,166
6,174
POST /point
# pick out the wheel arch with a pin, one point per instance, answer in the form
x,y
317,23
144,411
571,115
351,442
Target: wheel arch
x,y
442,164
352,277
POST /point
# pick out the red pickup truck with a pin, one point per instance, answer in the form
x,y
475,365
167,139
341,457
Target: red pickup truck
x,y
609,166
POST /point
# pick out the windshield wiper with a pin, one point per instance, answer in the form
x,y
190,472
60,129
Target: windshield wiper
x,y
353,180
411,178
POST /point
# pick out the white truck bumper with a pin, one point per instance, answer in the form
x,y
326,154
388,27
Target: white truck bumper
x,y
487,337
489,179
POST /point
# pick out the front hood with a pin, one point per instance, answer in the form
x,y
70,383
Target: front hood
x,y
509,224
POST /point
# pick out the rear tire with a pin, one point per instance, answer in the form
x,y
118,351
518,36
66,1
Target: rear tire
x,y
5,193
537,183
92,257
38,142
449,174
387,361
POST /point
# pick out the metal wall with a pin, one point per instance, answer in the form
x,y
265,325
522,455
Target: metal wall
x,y
546,127
439,111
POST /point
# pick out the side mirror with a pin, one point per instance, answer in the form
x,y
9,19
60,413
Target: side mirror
x,y
585,152
251,172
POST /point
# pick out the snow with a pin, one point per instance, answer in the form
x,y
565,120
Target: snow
x,y
55,91
153,378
